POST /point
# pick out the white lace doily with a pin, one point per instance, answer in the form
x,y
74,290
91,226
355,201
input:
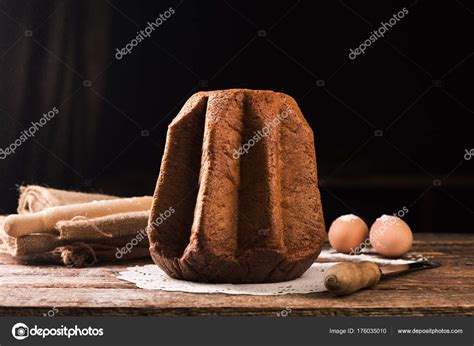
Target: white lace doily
x,y
153,278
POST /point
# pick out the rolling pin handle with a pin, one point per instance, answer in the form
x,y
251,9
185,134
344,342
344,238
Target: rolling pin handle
x,y
347,277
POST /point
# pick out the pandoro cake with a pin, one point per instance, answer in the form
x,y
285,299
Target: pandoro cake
x,y
239,172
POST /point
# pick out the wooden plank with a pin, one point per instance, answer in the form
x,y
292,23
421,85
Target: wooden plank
x,y
446,277
135,301
33,290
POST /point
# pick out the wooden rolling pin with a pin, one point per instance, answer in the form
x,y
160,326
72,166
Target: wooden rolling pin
x,y
347,277
45,221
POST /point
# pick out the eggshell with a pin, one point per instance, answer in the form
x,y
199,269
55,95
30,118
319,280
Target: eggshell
x,y
390,236
347,232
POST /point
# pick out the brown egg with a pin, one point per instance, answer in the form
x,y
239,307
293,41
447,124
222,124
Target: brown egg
x,y
347,232
390,236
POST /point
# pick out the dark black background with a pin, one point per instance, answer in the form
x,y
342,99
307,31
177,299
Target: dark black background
x,y
391,127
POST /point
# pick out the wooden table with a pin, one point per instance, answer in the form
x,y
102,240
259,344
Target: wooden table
x,y
448,290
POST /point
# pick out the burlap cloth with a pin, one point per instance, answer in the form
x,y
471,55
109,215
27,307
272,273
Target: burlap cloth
x,y
81,241
34,198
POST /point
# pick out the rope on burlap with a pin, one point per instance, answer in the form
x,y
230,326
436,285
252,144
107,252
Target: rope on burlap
x,y
77,255
91,225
